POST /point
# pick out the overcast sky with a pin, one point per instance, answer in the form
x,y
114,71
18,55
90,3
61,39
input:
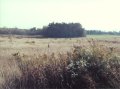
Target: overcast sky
x,y
92,14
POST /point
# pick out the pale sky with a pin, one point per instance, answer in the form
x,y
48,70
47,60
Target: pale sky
x,y
92,14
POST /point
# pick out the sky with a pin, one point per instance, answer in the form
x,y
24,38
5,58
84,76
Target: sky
x,y
92,14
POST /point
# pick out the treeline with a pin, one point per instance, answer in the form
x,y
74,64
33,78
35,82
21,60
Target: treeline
x,y
57,30
98,32
17,31
54,30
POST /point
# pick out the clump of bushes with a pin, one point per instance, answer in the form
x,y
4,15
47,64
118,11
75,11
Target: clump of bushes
x,y
95,67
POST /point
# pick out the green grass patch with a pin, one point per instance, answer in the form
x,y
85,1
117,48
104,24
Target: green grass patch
x,y
102,36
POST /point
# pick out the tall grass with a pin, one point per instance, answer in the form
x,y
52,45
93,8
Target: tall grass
x,y
96,66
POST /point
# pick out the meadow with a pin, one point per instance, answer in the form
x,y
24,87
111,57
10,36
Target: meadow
x,y
90,62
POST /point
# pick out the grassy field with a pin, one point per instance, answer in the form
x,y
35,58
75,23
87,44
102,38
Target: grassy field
x,y
37,63
103,36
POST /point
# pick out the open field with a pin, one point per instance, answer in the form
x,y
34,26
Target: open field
x,y
10,45
23,58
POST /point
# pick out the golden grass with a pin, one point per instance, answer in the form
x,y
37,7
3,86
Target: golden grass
x,y
30,63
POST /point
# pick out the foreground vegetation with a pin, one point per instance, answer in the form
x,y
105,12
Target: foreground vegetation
x,y
88,63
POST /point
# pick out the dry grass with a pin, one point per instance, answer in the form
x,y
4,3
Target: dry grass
x,y
59,63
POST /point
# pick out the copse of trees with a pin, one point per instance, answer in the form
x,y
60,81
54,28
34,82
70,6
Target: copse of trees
x,y
63,30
